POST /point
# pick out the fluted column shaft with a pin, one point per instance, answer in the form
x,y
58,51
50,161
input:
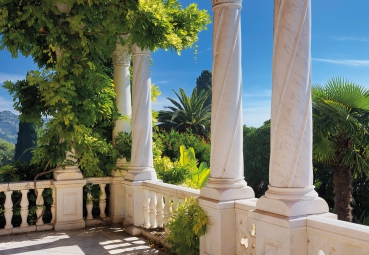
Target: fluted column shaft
x,y
291,114
141,157
122,87
291,191
226,159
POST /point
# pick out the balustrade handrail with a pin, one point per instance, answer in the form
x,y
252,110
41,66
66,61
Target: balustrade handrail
x,y
23,185
171,189
99,180
338,227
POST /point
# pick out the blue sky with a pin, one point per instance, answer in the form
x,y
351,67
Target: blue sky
x,y
340,47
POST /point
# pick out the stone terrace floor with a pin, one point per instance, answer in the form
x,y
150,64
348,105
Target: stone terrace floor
x,y
98,240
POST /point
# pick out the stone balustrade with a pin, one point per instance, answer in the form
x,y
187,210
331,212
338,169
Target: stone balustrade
x,y
24,188
160,200
327,235
8,189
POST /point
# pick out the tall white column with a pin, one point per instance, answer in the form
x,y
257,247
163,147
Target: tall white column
x,y
226,183
122,87
142,166
291,191
227,172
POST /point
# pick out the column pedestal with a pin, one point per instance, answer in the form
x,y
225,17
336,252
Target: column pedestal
x,y
220,237
69,201
134,197
117,197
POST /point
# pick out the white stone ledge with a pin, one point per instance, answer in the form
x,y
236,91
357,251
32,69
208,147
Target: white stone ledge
x,y
347,232
246,204
99,180
25,185
170,189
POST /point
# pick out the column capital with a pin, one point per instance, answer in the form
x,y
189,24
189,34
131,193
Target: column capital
x,y
220,2
121,56
138,51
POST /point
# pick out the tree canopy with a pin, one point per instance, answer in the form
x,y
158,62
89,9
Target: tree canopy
x,y
188,112
340,121
204,82
72,41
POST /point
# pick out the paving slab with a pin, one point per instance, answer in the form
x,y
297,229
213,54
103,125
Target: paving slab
x,y
97,240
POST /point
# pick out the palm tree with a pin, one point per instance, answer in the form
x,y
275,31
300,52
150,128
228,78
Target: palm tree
x,y
340,121
187,113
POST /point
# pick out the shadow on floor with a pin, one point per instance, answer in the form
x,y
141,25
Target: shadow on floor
x,y
100,240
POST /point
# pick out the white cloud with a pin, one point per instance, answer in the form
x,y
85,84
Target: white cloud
x,y
347,62
255,113
11,77
161,82
351,38
204,50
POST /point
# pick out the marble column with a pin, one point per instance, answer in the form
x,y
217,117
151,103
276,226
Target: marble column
x,y
142,166
226,183
122,87
226,163
291,191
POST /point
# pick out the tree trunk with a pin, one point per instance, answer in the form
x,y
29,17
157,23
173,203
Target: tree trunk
x,y
342,179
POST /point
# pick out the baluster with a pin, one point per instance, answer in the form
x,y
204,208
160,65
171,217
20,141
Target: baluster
x,y
102,201
159,210
89,206
52,209
167,210
175,205
8,206
39,204
146,208
152,209
24,208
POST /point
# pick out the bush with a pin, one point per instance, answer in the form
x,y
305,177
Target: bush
x,y
256,149
185,226
169,143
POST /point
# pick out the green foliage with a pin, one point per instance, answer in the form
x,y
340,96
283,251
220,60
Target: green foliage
x,y
185,227
204,82
6,153
73,45
256,150
123,145
170,172
184,171
189,112
21,171
169,143
26,142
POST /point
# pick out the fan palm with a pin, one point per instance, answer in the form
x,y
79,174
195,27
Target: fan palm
x,y
340,120
187,113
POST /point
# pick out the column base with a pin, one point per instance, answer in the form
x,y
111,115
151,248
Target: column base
x,y
292,202
292,208
141,174
68,173
227,189
134,197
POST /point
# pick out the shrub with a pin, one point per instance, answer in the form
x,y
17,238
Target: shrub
x,y
170,142
185,227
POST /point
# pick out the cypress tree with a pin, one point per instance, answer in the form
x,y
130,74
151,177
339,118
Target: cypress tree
x,y
26,141
203,82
